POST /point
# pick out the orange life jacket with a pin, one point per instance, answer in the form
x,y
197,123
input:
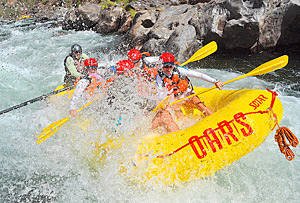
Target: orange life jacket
x,y
94,84
109,81
176,82
149,73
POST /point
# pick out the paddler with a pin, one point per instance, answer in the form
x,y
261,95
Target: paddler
x,y
173,81
124,67
149,73
74,64
88,83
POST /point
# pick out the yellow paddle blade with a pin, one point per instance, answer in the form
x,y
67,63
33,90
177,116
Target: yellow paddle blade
x,y
161,105
267,67
270,66
50,130
54,127
203,52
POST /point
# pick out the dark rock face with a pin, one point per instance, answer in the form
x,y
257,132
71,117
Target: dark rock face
x,y
83,18
110,20
93,17
290,27
280,27
183,26
138,33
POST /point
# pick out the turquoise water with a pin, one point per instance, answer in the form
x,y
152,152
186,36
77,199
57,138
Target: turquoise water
x,y
59,170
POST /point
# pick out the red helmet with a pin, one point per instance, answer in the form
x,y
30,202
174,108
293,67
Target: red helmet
x,y
167,58
123,66
91,63
134,55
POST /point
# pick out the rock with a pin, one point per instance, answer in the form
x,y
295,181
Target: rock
x,y
52,12
83,18
172,32
111,20
183,29
183,42
138,33
183,26
280,27
126,26
137,6
93,17
240,34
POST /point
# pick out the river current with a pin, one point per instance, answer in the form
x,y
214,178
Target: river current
x,y
61,170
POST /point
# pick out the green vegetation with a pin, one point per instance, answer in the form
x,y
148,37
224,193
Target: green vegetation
x,y
109,3
12,9
133,12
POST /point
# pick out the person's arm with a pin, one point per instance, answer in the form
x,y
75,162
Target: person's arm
x,y
151,61
190,73
71,67
81,86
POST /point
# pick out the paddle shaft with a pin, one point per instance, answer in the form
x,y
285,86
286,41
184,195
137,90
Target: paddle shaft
x,y
267,67
207,90
44,96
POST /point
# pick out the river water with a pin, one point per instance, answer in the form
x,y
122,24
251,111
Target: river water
x,y
61,170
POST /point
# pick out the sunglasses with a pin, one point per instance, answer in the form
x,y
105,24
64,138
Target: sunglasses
x,y
167,66
136,61
91,67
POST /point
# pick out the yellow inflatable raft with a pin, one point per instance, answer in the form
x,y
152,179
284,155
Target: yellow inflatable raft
x,y
241,122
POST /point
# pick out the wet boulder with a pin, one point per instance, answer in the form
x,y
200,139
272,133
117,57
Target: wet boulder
x,y
172,32
111,20
141,25
83,18
280,26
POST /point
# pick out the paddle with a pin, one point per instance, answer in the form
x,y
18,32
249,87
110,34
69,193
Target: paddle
x,y
200,54
267,67
44,96
54,127
203,52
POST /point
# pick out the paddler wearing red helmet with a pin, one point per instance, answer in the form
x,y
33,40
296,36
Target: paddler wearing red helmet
x,y
172,80
88,83
141,69
124,67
